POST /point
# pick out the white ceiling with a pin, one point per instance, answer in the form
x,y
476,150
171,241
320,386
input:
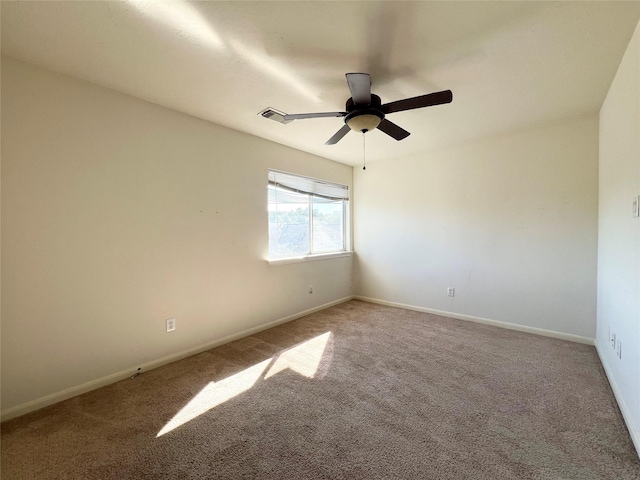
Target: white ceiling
x,y
509,64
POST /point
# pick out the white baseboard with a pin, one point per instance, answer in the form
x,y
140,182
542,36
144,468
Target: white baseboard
x,y
626,415
116,377
486,321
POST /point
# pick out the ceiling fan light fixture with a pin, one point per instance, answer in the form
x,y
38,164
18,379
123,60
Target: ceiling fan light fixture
x,y
364,111
364,122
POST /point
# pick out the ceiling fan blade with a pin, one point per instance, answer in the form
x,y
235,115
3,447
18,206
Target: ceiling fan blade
x,y
338,135
360,86
393,130
428,100
298,116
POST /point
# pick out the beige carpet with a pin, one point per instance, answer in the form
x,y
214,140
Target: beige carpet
x,y
356,391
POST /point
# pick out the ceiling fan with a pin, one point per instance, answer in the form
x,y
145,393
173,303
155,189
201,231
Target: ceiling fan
x,y
365,111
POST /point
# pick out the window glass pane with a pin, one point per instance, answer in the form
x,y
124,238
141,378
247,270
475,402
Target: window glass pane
x,y
306,216
328,226
288,229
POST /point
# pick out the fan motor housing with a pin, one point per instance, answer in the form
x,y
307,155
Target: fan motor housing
x,y
362,118
376,103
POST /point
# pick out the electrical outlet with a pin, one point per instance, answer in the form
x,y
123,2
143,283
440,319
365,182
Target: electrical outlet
x,y
635,209
451,291
310,288
171,324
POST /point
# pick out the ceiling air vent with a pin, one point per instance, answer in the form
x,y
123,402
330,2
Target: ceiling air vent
x,y
275,115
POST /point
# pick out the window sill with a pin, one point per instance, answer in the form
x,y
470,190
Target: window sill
x,y
308,258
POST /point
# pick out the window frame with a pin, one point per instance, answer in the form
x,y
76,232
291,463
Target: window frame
x,y
310,255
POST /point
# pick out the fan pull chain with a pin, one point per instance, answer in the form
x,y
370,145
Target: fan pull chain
x,y
364,157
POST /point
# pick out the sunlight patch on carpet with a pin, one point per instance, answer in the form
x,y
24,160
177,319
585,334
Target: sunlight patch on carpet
x,y
303,359
216,393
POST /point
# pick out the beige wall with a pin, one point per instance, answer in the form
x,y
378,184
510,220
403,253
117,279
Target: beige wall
x,y
510,222
118,214
619,236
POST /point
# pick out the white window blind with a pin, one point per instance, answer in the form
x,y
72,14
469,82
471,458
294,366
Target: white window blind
x,y
308,186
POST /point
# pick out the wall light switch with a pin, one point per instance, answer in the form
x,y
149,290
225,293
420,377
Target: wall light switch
x,y
636,207
171,324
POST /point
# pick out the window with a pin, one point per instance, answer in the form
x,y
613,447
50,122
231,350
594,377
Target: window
x,y
306,216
